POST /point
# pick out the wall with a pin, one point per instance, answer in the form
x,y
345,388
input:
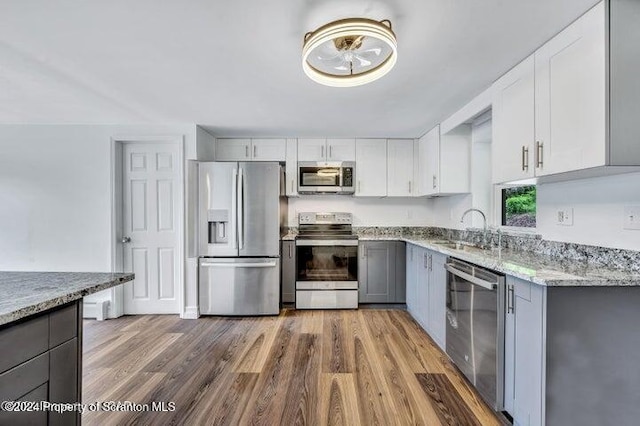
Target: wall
x,y
55,194
367,211
598,205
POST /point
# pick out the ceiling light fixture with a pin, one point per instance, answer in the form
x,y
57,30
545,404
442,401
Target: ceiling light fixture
x,y
349,52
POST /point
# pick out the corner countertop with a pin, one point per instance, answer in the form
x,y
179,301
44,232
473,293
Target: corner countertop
x,y
538,268
23,294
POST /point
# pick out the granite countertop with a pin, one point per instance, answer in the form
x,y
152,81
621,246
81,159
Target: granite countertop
x,y
531,266
26,293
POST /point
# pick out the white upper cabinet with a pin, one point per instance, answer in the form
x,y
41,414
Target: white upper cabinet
x,y
429,154
326,149
550,111
268,149
371,168
233,149
400,160
513,124
312,149
291,168
570,97
341,150
250,150
443,167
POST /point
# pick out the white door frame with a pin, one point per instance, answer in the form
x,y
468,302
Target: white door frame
x,y
116,308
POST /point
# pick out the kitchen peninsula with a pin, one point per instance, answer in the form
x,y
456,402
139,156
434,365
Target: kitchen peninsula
x,y
41,340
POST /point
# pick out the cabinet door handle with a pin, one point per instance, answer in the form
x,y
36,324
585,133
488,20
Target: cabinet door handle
x,y
525,158
322,151
292,186
426,261
330,151
359,187
540,153
434,181
409,187
255,151
431,262
290,251
364,252
246,151
510,299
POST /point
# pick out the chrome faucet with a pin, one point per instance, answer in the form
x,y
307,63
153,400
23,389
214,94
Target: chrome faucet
x,y
484,221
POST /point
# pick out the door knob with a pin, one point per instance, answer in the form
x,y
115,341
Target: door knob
x,y
126,240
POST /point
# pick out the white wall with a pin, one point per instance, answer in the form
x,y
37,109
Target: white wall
x,y
366,211
598,205
55,193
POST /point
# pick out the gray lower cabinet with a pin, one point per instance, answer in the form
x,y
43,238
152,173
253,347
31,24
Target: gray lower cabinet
x,y
41,362
411,270
381,272
437,298
524,351
288,272
426,283
569,354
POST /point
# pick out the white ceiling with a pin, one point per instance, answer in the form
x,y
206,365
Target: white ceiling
x,y
234,66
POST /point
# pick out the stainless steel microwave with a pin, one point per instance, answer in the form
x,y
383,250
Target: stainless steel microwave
x,y
337,177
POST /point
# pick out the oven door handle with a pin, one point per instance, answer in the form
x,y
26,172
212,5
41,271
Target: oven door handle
x,y
473,280
306,243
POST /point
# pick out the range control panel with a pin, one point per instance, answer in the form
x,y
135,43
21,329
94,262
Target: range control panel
x,y
315,218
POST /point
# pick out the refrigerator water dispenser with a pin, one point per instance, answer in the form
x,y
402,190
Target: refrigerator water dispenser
x,y
218,226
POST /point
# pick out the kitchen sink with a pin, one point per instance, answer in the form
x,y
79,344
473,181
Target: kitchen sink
x,y
459,245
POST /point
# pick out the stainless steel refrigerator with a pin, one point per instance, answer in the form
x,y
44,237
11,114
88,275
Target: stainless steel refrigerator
x,y
242,216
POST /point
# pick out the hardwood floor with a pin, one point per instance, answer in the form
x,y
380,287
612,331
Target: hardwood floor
x,y
369,367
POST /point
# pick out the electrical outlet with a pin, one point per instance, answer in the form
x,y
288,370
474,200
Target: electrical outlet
x,y
631,217
564,216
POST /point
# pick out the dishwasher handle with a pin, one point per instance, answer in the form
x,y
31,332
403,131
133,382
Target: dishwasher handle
x,y
240,265
474,280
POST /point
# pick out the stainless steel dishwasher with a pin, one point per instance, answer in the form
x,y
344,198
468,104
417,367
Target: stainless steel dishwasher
x,y
475,327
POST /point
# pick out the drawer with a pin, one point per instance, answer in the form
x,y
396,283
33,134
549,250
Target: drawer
x,y
24,378
30,418
63,324
63,381
23,341
327,299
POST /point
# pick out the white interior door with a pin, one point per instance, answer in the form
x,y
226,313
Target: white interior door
x,y
151,195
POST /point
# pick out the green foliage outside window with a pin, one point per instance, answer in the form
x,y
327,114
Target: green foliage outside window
x,y
519,206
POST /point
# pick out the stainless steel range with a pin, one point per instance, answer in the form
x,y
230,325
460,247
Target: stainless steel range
x,y
327,262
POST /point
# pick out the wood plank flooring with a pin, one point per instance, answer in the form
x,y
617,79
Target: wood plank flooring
x,y
369,367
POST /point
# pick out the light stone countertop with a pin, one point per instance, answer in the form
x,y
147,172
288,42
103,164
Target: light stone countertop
x,y
530,266
23,294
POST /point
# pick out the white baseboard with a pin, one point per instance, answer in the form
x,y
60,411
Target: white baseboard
x,y
190,312
98,310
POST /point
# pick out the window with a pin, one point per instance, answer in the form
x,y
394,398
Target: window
x,y
519,206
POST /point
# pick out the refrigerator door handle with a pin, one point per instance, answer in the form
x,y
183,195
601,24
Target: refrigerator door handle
x,y
240,221
234,198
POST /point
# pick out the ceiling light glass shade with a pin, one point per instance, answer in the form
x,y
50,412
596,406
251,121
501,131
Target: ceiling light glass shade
x,y
349,52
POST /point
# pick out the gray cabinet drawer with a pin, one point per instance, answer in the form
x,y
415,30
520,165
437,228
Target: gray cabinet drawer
x,y
63,381
30,418
23,341
24,378
63,324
